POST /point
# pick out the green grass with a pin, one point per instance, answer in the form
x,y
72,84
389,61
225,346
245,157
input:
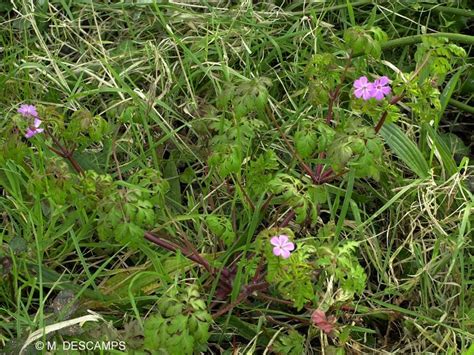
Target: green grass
x,y
156,72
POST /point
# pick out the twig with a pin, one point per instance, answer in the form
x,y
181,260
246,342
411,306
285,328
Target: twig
x,y
332,177
194,252
273,299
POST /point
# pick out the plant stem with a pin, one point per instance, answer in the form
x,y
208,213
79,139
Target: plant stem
x,y
461,105
453,10
332,99
288,219
405,41
74,163
64,153
335,94
381,121
248,290
191,256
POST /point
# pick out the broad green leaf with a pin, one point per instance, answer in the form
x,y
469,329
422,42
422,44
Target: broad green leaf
x,y
405,149
445,155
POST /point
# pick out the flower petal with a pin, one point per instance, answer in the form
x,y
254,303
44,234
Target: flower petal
x,y
358,93
285,253
277,251
275,241
321,321
367,94
361,82
318,316
378,95
386,90
283,238
30,133
326,327
37,122
27,110
382,81
288,246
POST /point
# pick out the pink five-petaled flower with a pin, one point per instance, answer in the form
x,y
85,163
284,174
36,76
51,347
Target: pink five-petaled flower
x,y
33,130
282,246
326,324
363,88
381,88
28,111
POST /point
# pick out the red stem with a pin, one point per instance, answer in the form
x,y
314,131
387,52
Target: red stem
x,y
381,121
288,219
332,99
64,153
248,290
198,259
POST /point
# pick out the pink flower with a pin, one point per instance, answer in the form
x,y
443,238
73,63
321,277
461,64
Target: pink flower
x,y
33,130
322,322
28,111
381,88
282,246
363,88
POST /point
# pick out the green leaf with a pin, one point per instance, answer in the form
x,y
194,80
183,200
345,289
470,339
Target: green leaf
x,y
292,343
129,232
446,94
248,331
306,143
318,194
445,154
221,227
405,149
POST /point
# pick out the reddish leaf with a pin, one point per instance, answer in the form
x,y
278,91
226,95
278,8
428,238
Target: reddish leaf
x,y
322,322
